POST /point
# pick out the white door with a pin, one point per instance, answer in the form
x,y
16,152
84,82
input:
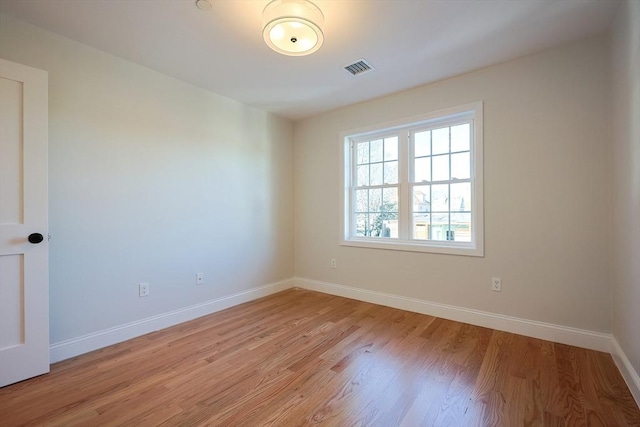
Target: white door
x,y
24,269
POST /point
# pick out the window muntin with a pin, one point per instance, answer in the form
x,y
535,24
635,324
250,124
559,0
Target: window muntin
x,y
416,185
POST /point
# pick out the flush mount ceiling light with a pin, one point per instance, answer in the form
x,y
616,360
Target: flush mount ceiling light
x,y
204,4
293,27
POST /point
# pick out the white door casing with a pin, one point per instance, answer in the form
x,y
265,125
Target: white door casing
x,y
24,269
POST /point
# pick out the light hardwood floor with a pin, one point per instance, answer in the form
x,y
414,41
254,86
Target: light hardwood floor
x,y
306,358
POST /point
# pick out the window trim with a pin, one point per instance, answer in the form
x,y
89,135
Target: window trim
x,y
411,124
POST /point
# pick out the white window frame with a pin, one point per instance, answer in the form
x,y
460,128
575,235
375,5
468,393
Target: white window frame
x,y
471,112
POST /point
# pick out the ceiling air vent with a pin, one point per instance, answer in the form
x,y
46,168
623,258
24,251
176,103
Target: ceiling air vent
x,y
361,66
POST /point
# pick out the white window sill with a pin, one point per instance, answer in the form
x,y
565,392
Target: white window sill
x,y
449,248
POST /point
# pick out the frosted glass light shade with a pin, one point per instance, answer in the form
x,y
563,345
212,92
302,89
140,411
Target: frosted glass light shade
x,y
293,27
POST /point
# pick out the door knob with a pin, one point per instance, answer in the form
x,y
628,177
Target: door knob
x,y
35,238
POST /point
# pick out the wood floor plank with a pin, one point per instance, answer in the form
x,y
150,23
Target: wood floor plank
x,y
571,397
301,358
534,404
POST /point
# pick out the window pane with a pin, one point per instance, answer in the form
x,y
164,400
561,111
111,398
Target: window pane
x,y
461,226
363,153
421,198
362,200
440,198
422,169
461,166
389,226
461,137
363,175
375,200
422,144
391,148
421,226
440,141
461,197
362,225
390,200
441,168
391,172
376,151
375,224
439,226
376,174
383,225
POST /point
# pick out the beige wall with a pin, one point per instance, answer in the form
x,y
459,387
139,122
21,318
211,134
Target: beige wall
x,y
626,181
152,180
547,201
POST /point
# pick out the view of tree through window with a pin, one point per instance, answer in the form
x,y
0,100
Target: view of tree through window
x,y
377,188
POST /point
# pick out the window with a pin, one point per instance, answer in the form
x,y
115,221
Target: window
x,y
416,185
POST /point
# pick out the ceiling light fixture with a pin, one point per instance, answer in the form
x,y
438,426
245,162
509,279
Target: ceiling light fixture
x,y
204,4
293,27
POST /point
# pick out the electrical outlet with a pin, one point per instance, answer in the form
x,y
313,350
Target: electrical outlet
x,y
143,289
496,284
334,264
199,278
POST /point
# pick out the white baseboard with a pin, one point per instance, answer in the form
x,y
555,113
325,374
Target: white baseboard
x,y
629,374
84,344
531,328
547,331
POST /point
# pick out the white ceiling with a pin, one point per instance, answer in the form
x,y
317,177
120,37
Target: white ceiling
x,y
409,42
